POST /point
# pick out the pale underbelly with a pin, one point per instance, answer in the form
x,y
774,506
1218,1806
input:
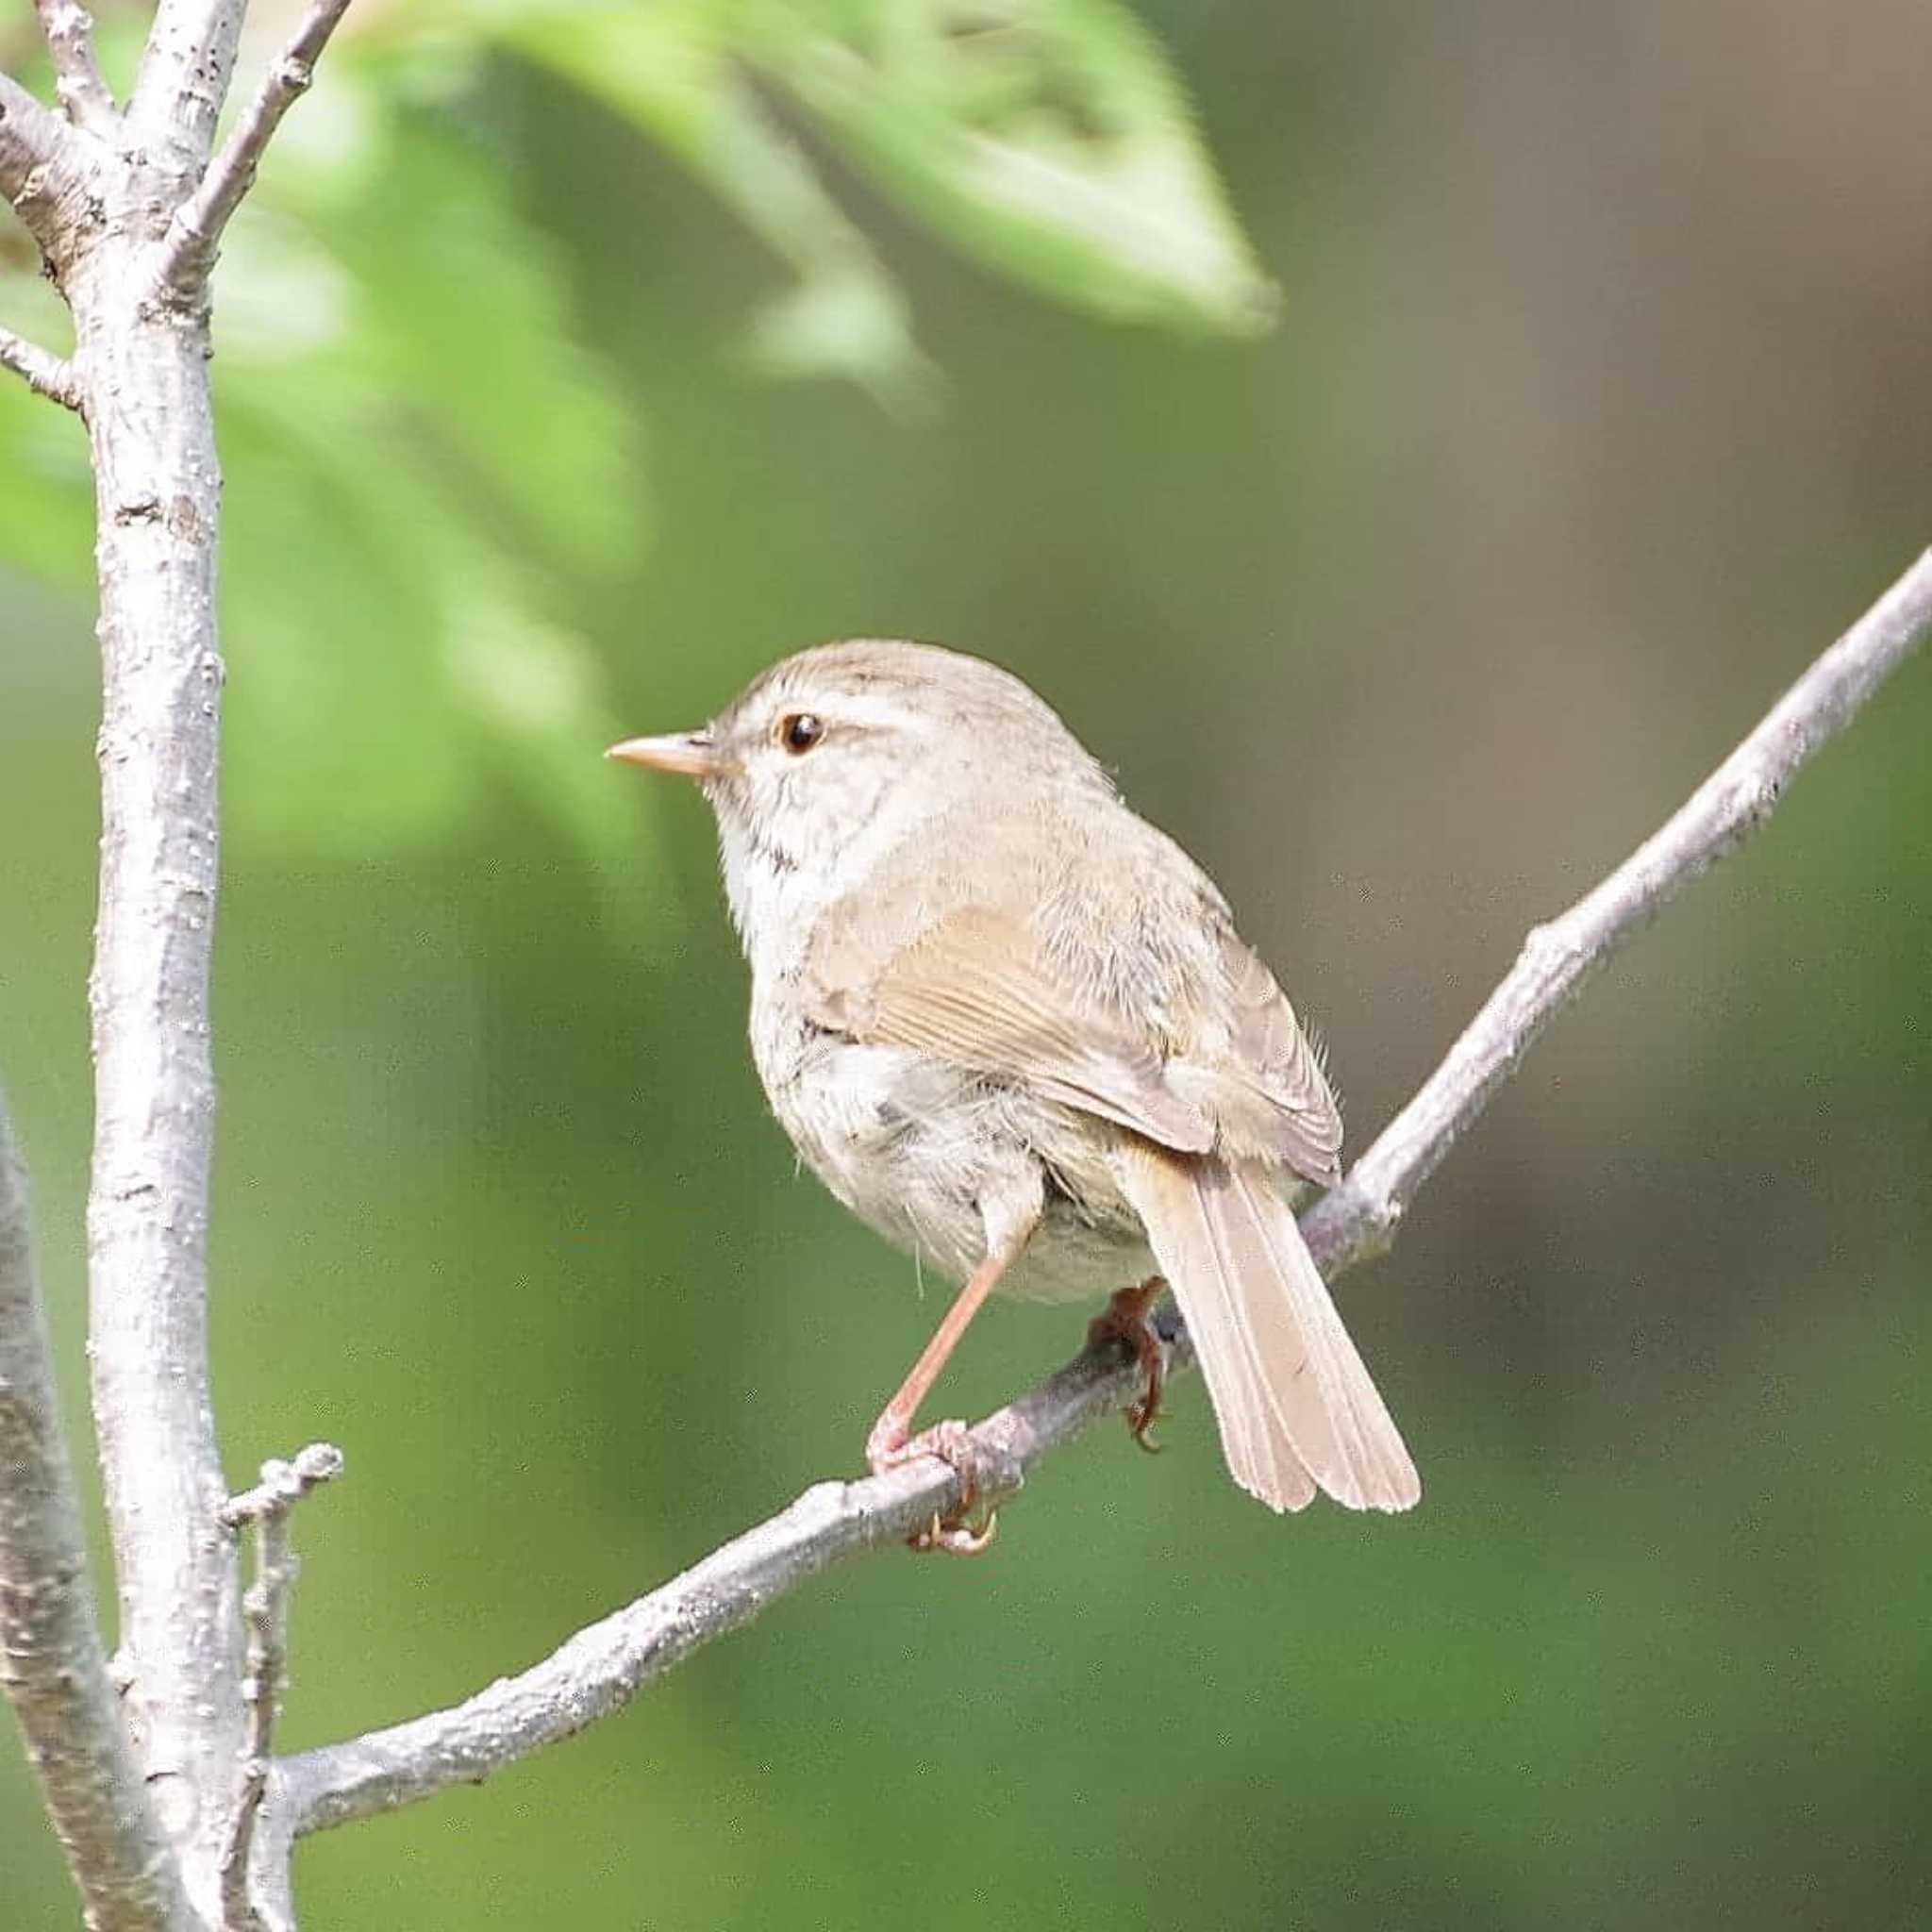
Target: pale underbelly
x,y
916,1150
1066,1260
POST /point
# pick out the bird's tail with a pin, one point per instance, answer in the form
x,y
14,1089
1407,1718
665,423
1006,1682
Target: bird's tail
x,y
1295,1405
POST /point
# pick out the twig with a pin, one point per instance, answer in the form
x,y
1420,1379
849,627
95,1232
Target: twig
x,y
283,1484
43,372
265,1611
70,31
51,1660
602,1667
196,230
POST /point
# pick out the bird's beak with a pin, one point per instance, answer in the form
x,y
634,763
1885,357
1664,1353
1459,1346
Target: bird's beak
x,y
692,754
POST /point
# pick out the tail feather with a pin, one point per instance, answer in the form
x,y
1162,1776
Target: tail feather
x,y
1295,1406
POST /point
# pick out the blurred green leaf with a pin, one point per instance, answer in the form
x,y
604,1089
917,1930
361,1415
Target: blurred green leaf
x,y
457,305
536,694
47,484
1048,137
387,659
407,289
343,734
670,70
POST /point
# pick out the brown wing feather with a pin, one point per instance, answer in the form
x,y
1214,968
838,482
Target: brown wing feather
x,y
1277,1061
972,988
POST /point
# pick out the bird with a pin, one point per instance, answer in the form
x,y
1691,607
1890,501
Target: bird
x,y
1011,1026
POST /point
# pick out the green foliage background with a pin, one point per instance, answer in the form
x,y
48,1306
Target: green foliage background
x,y
1599,399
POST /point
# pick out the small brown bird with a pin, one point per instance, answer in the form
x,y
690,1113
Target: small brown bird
x,y
1012,1026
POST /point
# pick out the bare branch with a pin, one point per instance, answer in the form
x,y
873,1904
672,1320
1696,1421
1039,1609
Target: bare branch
x,y
42,165
31,136
1360,1216
51,1660
70,31
196,230
602,1667
43,372
265,1611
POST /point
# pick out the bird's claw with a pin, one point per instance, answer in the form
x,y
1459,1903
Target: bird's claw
x,y
956,1535
1126,1318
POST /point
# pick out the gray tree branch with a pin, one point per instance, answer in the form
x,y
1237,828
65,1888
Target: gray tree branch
x,y
196,230
43,372
31,136
70,31
51,1660
603,1667
265,1609
1360,1216
43,165
600,1669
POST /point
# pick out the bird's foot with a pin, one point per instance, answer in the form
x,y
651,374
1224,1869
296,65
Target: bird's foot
x,y
1127,1320
958,1535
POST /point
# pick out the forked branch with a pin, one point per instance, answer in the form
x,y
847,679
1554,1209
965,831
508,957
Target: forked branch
x,y
601,1668
196,230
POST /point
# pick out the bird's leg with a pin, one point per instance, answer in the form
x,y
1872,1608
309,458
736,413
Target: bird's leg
x,y
1127,1320
891,1442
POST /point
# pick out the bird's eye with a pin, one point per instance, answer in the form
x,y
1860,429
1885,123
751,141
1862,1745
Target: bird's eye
x,y
799,730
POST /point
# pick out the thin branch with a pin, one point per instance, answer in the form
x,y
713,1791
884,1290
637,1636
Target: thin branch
x,y
42,164
282,1486
43,372
1360,1216
51,1659
30,136
265,1611
196,230
603,1667
70,31
600,1669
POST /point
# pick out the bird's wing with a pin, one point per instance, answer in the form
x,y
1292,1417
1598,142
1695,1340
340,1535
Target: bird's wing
x,y
1276,1061
973,987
